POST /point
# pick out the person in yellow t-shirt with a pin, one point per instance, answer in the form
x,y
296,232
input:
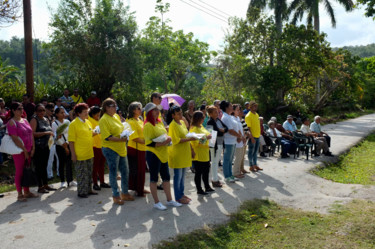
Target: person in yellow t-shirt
x,y
99,159
157,155
180,153
80,143
201,161
252,121
76,97
114,151
136,150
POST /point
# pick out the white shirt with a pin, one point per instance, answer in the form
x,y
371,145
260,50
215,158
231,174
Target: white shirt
x,y
239,129
64,137
305,129
270,132
231,124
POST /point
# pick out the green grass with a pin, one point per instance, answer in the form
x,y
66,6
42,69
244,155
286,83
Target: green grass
x,y
357,166
264,224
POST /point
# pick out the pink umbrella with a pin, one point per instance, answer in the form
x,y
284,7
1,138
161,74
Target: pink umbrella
x,y
171,98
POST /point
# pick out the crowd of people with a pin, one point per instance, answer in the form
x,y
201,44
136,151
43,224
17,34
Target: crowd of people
x,y
72,133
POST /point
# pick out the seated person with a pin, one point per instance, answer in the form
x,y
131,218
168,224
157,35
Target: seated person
x,y
264,139
320,142
285,133
287,146
315,127
289,124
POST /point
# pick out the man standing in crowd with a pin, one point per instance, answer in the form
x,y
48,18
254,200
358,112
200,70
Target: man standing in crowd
x,y
252,121
189,113
247,108
66,100
28,106
93,100
76,97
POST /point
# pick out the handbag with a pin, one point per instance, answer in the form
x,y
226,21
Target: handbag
x,y
8,146
29,176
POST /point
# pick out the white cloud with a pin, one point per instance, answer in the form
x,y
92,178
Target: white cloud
x,y
352,28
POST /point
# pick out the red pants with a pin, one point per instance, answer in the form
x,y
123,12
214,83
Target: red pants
x,y
137,170
98,167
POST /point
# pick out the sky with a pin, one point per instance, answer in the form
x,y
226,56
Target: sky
x,y
352,28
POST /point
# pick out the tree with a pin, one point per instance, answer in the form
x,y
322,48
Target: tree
x,y
279,7
10,11
311,8
370,7
171,58
97,45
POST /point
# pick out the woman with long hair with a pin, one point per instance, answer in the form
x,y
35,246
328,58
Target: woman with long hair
x,y
62,147
42,131
99,159
157,155
201,161
22,135
217,149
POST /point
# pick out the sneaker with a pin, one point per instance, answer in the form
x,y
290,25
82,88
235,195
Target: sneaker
x,y
229,179
72,183
63,185
173,203
160,206
234,178
210,190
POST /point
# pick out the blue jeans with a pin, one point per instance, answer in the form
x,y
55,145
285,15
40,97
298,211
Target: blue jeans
x,y
252,153
228,159
179,183
115,161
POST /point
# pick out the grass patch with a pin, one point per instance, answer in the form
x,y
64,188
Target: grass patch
x,y
357,166
350,226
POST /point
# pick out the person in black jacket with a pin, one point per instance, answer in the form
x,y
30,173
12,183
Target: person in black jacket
x,y
216,151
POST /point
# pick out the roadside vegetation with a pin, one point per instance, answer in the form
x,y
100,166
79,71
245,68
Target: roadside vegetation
x,y
264,224
357,166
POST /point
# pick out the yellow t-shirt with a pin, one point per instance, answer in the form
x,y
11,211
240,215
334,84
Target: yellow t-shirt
x,y
202,151
112,127
151,132
179,154
81,134
252,121
77,99
137,127
97,138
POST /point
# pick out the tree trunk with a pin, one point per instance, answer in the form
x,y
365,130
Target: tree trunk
x,y
28,49
317,28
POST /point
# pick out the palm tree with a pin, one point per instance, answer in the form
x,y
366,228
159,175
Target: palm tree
x,y
311,8
280,8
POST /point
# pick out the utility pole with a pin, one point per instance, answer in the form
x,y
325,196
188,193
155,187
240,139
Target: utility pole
x,y
28,48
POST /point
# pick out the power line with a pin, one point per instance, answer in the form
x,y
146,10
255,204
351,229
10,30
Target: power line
x,y
215,8
204,11
216,13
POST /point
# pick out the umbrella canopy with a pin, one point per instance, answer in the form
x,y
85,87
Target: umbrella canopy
x,y
171,98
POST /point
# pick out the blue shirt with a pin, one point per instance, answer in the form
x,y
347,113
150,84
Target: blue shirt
x,y
315,127
290,126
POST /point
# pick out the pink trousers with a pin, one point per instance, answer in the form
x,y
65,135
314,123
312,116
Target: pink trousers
x,y
19,163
